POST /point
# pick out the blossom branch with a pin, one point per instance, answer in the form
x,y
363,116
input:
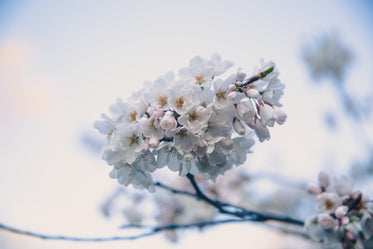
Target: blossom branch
x,y
256,77
229,209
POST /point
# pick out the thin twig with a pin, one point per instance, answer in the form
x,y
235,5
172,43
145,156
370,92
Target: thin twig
x,y
256,77
175,191
240,212
153,231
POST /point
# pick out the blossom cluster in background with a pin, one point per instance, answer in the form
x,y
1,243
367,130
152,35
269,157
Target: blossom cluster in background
x,y
346,216
328,57
162,208
198,123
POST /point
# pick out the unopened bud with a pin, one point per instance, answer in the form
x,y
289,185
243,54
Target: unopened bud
x,y
351,236
324,181
157,114
252,93
232,95
326,221
240,76
154,142
341,211
345,220
314,190
168,122
232,87
146,147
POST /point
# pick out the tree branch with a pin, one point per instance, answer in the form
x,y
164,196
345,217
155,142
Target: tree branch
x,y
256,77
153,231
226,208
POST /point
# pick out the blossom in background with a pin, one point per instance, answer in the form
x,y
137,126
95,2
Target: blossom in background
x,y
328,57
346,216
198,124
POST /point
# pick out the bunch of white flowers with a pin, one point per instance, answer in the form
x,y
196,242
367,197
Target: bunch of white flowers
x,y
197,124
345,216
327,57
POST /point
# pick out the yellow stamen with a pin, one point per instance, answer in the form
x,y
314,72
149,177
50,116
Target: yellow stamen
x,y
162,100
221,94
133,140
180,102
193,116
199,79
132,116
182,134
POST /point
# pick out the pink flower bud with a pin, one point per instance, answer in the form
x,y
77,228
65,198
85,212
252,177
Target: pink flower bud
x,y
324,181
240,76
232,95
326,221
151,109
232,87
157,114
341,211
315,190
146,146
345,220
351,236
154,142
168,122
252,93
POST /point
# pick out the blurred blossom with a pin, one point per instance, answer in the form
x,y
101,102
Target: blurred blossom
x,y
92,142
327,57
345,216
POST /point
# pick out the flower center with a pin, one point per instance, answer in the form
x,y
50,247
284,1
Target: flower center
x,y
182,134
209,126
133,139
151,124
193,116
199,79
132,116
221,94
161,100
180,101
329,204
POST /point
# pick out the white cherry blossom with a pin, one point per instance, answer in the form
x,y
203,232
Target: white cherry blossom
x,y
197,124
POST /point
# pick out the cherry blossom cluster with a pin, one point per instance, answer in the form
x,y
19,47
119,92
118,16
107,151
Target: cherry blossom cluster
x,y
197,123
327,57
346,216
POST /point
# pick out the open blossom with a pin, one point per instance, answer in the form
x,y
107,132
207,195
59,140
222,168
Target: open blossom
x,y
199,124
344,217
195,119
199,72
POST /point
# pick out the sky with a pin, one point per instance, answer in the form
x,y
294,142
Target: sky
x,y
62,63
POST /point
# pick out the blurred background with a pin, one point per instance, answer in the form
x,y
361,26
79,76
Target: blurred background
x,y
63,63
